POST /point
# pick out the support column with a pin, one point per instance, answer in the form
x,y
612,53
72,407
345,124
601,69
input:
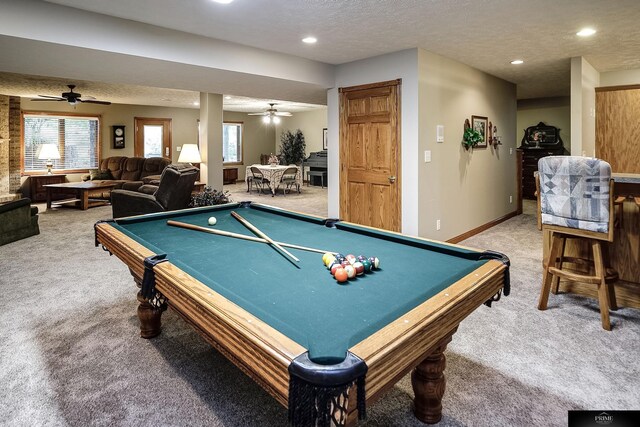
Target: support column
x,y
211,139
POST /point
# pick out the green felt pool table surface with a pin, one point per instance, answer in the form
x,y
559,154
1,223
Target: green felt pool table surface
x,y
305,303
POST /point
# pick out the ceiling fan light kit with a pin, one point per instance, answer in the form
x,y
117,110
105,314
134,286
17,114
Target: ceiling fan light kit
x,y
73,98
271,115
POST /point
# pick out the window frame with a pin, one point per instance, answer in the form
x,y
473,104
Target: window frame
x,y
63,115
241,124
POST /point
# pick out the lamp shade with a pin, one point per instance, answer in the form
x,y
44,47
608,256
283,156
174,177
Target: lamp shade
x,y
189,154
48,152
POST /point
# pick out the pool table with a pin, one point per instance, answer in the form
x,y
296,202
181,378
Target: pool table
x,y
323,349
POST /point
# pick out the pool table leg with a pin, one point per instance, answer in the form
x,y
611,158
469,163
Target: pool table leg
x,y
428,383
149,318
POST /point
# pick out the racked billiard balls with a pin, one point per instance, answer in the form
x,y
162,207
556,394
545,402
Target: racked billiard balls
x,y
351,258
375,263
359,268
367,266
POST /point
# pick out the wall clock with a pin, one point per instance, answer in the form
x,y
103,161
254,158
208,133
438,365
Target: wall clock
x,y
118,136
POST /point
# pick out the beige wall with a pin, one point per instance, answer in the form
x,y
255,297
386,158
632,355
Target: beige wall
x,y
258,138
463,189
551,111
584,80
184,123
620,78
310,123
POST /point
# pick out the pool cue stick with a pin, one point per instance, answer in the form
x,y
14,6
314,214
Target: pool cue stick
x,y
264,236
243,236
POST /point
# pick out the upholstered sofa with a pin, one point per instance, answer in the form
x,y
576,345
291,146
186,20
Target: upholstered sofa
x,y
128,173
18,220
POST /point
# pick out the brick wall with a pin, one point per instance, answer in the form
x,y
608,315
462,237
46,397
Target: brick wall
x,y
15,124
4,144
10,145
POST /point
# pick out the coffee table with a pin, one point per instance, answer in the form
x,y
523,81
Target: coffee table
x,y
81,192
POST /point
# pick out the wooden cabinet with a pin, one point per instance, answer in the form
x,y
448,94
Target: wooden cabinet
x,y
34,186
529,165
229,175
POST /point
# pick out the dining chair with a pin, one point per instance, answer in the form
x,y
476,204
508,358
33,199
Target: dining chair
x,y
289,178
575,201
258,179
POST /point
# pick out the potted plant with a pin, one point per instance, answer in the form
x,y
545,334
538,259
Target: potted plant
x,y
471,138
209,197
292,147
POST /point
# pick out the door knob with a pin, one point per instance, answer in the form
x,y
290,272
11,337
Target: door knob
x,y
392,179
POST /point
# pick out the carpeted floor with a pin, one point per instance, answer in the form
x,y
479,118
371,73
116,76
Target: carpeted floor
x,y
70,353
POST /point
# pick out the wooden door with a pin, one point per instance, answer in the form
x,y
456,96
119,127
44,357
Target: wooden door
x,y
618,127
152,137
370,155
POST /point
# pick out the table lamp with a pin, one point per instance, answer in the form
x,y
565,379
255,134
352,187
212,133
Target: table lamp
x,y
189,154
49,152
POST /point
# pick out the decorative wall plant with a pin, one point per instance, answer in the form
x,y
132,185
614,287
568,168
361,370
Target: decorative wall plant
x,y
471,137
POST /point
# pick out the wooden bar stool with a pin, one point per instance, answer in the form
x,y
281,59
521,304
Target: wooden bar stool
x,y
575,200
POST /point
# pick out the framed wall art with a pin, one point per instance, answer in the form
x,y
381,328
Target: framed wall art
x,y
481,124
324,139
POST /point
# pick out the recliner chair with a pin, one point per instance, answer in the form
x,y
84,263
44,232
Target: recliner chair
x,y
173,193
18,220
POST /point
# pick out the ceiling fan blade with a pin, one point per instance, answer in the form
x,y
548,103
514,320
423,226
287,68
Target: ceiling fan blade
x,y
283,114
94,102
51,98
257,114
57,98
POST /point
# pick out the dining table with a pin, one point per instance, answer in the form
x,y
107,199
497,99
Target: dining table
x,y
274,174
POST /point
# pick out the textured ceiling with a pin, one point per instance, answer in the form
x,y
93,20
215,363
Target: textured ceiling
x,y
485,34
32,86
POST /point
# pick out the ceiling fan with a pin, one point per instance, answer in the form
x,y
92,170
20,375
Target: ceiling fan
x,y
271,115
71,97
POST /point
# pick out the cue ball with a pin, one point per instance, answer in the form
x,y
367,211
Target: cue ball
x,y
212,220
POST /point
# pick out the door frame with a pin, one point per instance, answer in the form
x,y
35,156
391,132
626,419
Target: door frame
x,y
138,140
343,135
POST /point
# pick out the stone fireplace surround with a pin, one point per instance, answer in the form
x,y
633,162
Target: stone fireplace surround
x,y
9,147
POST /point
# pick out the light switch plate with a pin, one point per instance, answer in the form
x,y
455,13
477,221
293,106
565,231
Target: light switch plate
x,y
440,133
427,156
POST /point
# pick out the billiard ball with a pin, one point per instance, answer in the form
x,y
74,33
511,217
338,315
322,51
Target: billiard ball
x,y
334,267
351,272
340,258
375,263
330,260
325,256
341,275
345,263
367,266
361,258
339,255
359,268
351,258
212,220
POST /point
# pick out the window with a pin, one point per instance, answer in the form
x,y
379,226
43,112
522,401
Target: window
x,y
232,142
77,139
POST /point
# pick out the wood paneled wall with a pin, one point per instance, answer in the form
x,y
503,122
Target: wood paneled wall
x,y
618,127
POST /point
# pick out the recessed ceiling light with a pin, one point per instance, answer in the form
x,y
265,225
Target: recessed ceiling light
x,y
586,32
310,40
517,62
223,1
